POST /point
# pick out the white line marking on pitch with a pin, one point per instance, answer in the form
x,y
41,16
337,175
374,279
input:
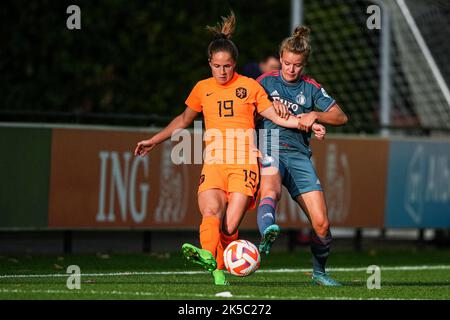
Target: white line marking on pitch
x,y
150,294
386,268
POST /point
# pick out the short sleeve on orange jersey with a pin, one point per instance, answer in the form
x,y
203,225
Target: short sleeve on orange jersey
x,y
194,100
262,100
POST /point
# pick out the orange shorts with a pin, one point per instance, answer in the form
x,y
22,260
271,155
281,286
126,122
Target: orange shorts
x,y
242,178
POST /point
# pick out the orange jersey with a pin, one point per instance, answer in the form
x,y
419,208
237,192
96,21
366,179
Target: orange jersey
x,y
227,108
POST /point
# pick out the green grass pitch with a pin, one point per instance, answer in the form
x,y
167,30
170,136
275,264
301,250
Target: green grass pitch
x,y
405,274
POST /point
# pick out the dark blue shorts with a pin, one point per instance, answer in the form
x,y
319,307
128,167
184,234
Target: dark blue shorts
x,y
297,172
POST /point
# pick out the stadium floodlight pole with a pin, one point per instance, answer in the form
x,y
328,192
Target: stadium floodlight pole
x,y
385,69
296,13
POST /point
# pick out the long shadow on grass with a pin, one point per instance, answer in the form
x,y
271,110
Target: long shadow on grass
x,y
415,284
279,284
237,283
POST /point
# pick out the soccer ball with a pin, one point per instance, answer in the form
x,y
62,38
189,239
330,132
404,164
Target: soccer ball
x,y
241,258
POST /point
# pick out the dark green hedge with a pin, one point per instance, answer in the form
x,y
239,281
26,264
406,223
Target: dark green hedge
x,y
129,57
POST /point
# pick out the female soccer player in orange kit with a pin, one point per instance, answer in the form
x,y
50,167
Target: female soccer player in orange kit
x,y
229,102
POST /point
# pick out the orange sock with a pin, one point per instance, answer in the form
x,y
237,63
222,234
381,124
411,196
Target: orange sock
x,y
223,243
219,257
209,234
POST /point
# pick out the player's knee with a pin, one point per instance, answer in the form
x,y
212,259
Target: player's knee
x,y
229,230
270,193
321,227
212,210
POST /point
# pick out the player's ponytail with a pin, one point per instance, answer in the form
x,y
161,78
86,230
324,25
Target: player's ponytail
x,y
301,32
298,43
222,37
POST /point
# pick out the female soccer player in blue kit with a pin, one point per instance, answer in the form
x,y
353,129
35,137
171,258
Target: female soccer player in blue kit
x,y
300,94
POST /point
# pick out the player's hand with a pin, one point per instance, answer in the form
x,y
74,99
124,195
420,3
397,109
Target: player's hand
x,y
306,121
143,147
319,131
281,109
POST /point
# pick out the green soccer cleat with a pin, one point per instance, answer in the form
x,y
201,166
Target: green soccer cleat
x,y
270,235
219,278
322,279
199,256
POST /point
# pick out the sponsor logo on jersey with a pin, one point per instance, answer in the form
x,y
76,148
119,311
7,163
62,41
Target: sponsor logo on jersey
x,y
241,93
292,106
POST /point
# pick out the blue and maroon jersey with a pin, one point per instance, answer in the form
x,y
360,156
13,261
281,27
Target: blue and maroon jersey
x,y
301,96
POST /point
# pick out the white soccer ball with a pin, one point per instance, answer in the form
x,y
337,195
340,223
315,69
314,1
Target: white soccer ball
x,y
241,258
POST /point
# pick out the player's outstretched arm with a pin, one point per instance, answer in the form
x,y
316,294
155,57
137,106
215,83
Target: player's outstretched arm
x,y
293,122
271,114
180,122
334,116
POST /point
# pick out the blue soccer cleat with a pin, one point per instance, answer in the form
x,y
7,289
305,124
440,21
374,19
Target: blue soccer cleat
x,y
270,235
322,279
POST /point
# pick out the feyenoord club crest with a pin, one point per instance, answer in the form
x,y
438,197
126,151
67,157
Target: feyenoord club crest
x,y
301,99
241,93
